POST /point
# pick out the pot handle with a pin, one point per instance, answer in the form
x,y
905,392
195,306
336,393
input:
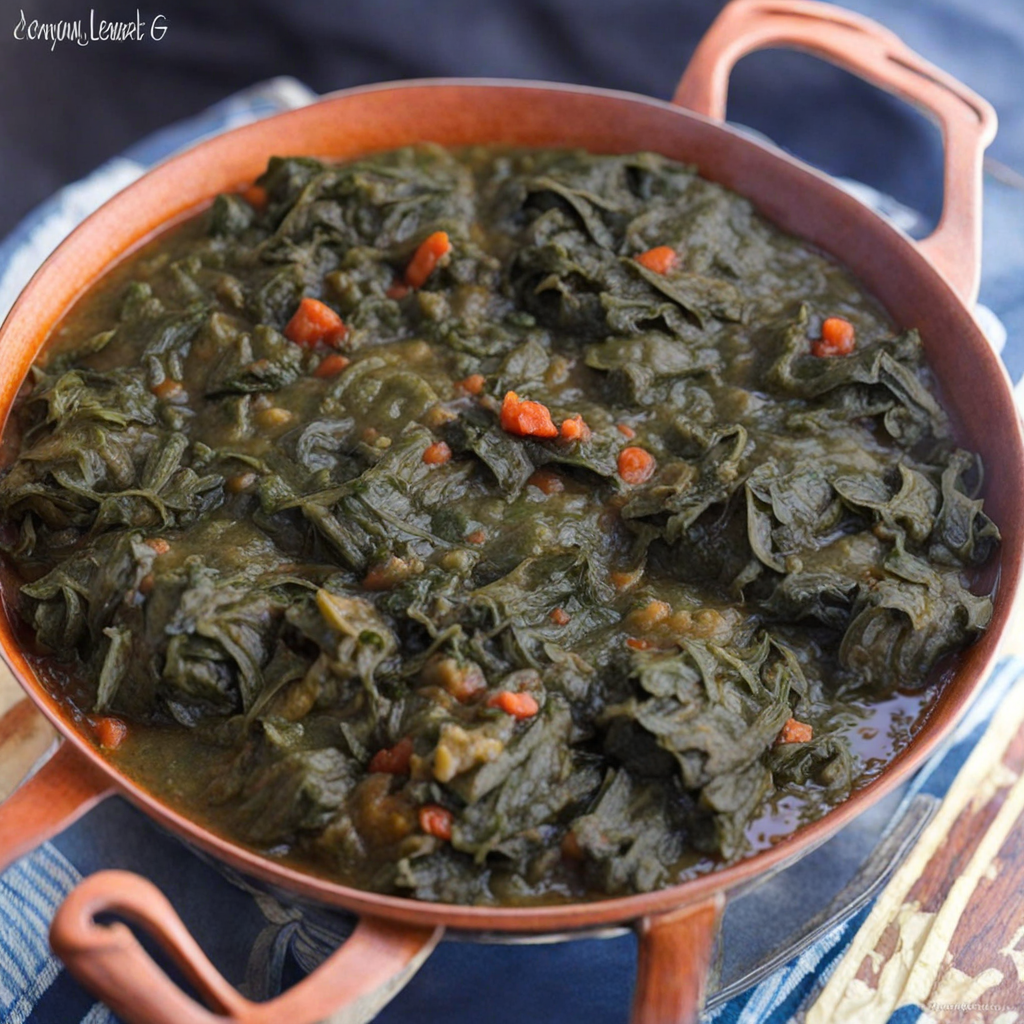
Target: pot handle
x,y
673,963
350,987
59,793
872,52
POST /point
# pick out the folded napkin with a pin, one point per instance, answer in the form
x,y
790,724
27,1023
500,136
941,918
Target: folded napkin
x,y
262,942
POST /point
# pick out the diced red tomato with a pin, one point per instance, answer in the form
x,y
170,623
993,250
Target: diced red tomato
x,y
436,820
426,258
661,259
315,323
795,732
393,760
526,419
518,705
636,465
837,338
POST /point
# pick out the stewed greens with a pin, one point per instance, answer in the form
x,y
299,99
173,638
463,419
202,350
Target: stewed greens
x,y
489,526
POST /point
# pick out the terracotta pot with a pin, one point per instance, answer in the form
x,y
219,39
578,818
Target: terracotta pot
x,y
929,284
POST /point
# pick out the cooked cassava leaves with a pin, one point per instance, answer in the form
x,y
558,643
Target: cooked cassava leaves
x,y
491,526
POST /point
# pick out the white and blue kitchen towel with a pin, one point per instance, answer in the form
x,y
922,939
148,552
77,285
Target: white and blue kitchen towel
x,y
262,944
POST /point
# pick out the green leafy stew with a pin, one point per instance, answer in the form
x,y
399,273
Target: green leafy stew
x,y
491,526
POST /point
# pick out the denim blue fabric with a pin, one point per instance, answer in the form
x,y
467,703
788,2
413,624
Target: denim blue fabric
x,y
261,942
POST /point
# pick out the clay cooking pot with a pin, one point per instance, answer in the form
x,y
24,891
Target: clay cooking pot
x,y
930,285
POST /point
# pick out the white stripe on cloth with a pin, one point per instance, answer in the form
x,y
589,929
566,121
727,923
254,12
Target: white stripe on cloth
x,y
766,1000
99,1014
30,892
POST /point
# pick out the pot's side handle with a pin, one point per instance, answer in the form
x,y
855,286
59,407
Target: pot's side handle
x,y
350,987
673,963
59,793
874,53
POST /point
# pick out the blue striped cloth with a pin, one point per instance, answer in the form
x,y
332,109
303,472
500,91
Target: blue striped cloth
x,y
261,942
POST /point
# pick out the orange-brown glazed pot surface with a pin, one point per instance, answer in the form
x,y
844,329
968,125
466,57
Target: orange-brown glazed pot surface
x,y
929,285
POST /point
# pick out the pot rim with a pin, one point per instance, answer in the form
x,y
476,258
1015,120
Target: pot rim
x,y
546,918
